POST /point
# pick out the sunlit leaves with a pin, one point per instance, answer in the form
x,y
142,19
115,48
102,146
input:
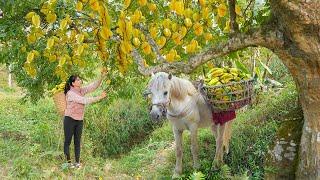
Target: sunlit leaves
x,y
178,28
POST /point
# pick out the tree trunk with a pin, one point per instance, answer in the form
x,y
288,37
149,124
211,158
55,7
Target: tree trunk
x,y
10,76
309,156
299,21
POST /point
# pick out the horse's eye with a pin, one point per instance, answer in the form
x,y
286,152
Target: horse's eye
x,y
165,93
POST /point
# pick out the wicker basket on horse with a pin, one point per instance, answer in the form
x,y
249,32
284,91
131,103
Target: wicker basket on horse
x,y
59,100
229,97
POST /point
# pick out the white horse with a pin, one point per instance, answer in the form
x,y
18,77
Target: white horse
x,y
180,102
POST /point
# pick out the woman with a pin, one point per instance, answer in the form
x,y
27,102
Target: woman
x,y
74,113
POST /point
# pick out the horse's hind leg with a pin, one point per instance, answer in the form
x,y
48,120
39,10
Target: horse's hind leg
x,y
178,141
194,147
218,159
227,136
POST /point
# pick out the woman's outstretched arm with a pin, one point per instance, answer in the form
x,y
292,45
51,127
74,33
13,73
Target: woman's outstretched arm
x,y
93,86
84,100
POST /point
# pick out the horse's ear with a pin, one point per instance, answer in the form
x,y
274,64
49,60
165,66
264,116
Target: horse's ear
x,y
170,76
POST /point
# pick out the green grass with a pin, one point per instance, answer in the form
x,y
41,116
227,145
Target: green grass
x,y
31,140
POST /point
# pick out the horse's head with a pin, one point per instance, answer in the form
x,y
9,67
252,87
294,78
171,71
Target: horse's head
x,y
159,92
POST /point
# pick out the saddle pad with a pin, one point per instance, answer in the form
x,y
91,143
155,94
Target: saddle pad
x,y
223,117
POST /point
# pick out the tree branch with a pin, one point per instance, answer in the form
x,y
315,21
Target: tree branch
x,y
234,27
271,39
152,43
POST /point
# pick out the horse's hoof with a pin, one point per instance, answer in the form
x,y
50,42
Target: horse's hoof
x,y
176,175
226,151
216,165
196,166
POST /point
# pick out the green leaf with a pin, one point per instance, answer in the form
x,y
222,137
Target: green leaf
x,y
266,67
233,55
242,67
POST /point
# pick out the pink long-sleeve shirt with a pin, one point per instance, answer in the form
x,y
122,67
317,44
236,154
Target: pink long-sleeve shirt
x,y
76,100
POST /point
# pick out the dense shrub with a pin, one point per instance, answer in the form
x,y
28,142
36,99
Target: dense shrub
x,y
116,128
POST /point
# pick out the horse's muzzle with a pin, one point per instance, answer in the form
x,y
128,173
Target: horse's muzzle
x,y
158,114
154,116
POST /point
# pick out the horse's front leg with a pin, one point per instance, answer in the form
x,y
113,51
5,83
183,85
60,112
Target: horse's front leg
x,y
179,153
194,146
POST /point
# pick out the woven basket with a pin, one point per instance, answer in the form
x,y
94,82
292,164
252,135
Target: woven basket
x,y
59,100
235,99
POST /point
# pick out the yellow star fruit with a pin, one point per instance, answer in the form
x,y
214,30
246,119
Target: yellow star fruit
x,y
238,10
222,10
176,37
31,38
63,24
30,15
167,32
208,36
36,20
188,13
146,48
153,32
51,18
137,15
196,17
166,23
30,57
187,22
80,38
79,6
142,2
136,42
152,7
94,4
50,43
202,3
127,3
198,29
136,32
161,41
183,31
205,13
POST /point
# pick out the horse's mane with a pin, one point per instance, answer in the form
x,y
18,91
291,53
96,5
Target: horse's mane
x,y
181,88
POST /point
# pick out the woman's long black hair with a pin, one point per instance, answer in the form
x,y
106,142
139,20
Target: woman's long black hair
x,y
69,82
